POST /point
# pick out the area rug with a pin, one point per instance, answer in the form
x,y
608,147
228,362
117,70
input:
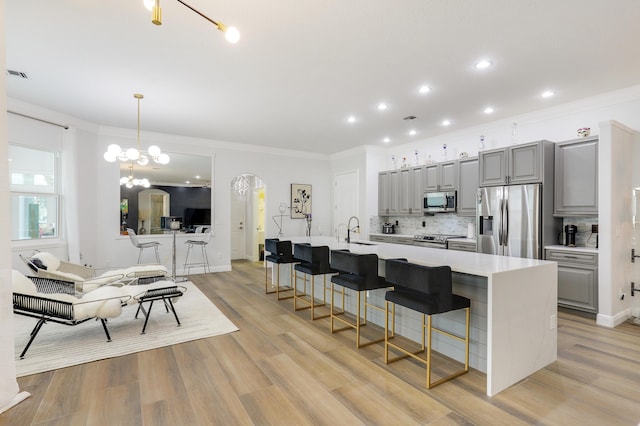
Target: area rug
x,y
57,346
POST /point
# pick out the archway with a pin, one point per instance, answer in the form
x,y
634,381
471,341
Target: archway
x,y
248,194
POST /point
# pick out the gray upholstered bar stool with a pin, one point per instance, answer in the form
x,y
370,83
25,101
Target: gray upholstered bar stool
x,y
204,262
427,290
280,252
357,272
134,240
313,261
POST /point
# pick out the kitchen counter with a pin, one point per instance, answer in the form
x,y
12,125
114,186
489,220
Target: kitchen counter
x,y
567,248
513,308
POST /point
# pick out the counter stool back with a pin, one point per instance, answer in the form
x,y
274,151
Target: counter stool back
x,y
359,273
280,252
314,260
427,290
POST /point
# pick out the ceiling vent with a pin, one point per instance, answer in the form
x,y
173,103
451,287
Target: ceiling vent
x,y
409,117
17,74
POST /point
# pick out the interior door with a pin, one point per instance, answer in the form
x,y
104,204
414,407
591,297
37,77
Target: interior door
x,y
238,228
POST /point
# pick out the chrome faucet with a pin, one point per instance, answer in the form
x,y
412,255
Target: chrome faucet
x,y
355,229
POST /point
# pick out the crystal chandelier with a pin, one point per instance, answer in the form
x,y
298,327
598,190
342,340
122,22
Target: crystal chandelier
x,y
240,185
114,152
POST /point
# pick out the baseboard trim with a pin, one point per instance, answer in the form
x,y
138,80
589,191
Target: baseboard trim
x,y
613,321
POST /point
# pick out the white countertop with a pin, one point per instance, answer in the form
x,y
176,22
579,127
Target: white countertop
x,y
465,262
566,248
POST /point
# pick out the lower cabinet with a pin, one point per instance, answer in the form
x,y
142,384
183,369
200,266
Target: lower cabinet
x,y
577,279
462,245
393,239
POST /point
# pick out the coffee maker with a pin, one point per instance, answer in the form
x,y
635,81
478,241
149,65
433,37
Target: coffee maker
x,y
570,232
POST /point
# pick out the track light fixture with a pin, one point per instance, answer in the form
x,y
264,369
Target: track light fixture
x,y
231,33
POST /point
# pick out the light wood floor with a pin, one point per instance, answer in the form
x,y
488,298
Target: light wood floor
x,y
283,369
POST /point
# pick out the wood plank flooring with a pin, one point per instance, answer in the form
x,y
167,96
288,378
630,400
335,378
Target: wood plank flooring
x,y
283,369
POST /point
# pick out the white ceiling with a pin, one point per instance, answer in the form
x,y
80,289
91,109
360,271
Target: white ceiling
x,y
302,67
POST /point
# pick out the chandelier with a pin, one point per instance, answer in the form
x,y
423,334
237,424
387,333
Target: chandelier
x,y
231,33
114,152
130,181
240,185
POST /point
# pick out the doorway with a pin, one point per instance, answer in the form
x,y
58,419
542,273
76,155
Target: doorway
x,y
247,222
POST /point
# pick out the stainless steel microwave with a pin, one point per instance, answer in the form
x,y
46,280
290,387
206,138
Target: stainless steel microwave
x,y
439,202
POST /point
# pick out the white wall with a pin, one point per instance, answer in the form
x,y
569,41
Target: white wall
x,y
8,384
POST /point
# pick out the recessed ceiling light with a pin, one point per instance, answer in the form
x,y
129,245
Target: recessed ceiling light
x,y
412,132
482,64
148,4
351,119
197,177
382,106
488,110
446,122
548,93
187,182
386,140
424,89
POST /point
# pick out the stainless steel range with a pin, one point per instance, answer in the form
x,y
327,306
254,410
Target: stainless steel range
x,y
433,240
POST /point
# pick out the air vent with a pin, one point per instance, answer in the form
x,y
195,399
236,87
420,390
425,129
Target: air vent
x,y
17,74
409,117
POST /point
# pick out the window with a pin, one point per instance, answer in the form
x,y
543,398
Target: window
x,y
34,193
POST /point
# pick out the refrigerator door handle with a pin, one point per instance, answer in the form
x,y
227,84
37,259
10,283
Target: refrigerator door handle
x,y
500,227
506,222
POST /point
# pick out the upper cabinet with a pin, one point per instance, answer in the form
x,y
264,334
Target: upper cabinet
x,y
468,177
441,176
576,177
400,192
514,165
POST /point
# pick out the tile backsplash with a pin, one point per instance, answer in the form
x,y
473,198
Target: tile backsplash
x,y
442,223
452,224
584,237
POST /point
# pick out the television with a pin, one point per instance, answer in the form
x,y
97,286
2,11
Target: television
x,y
196,217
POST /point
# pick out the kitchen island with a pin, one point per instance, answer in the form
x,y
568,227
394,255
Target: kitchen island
x,y
513,307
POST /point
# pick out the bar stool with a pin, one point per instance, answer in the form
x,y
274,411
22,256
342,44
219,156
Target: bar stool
x,y
357,272
203,248
313,261
280,252
134,240
427,290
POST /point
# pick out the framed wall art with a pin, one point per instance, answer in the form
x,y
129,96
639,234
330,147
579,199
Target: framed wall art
x,y
300,201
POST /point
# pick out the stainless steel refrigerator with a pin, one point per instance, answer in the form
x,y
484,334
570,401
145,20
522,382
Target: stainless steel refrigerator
x,y
510,220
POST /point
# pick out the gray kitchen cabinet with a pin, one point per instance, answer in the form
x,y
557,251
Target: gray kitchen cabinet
x,y
518,164
468,177
384,195
441,176
577,279
416,191
392,239
576,178
400,192
461,245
